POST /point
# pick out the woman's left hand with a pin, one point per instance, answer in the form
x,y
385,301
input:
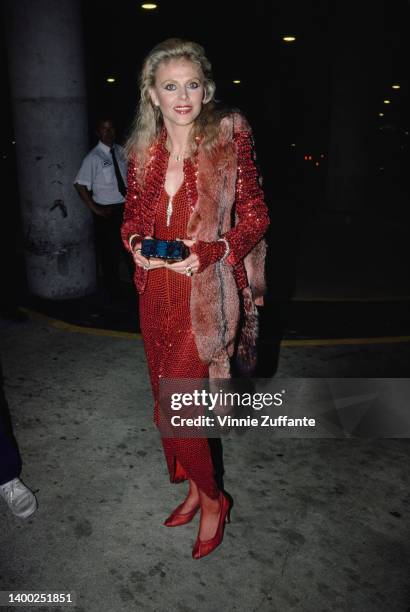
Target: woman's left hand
x,y
190,264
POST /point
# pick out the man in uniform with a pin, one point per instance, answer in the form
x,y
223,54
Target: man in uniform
x,y
101,184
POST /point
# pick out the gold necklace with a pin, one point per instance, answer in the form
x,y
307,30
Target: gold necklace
x,y
179,156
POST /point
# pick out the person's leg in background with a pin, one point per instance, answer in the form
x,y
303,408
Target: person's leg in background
x,y
110,249
117,251
18,497
101,226
11,269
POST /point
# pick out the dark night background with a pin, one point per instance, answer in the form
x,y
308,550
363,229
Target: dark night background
x,y
286,88
289,92
320,520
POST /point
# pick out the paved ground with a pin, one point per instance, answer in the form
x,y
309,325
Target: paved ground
x,y
318,525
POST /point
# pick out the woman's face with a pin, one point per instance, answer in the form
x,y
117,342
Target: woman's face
x,y
178,91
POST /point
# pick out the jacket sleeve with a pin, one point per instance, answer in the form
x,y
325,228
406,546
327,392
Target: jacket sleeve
x,y
131,224
208,253
252,218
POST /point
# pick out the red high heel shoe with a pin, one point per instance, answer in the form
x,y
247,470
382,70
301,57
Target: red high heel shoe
x,y
203,548
176,519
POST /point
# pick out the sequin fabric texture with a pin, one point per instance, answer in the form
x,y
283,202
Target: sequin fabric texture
x,y
251,211
170,347
165,316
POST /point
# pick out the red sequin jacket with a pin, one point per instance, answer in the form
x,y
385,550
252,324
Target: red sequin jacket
x,y
220,187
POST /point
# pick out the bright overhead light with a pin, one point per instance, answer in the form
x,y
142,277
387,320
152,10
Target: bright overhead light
x,y
110,80
149,6
381,114
386,101
396,86
289,38
237,81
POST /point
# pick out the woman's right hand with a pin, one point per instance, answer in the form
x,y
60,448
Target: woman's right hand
x,y
147,264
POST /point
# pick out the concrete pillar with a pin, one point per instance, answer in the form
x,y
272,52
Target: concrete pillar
x,y
45,49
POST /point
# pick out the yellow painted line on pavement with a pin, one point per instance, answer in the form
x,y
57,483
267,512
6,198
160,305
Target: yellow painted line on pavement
x,y
97,331
404,298
339,341
93,331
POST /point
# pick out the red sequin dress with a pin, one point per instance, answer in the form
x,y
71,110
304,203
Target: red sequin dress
x,y
165,317
165,321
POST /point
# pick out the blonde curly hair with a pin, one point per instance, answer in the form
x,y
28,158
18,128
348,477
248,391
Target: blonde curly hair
x,y
148,121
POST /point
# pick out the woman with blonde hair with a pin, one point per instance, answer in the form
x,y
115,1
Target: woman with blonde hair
x,y
192,178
